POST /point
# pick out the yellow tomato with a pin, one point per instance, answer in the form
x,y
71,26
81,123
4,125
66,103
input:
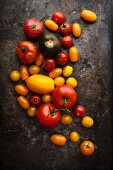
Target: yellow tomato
x,y
15,75
34,69
72,82
59,81
74,136
66,119
67,71
76,29
46,98
51,25
88,15
55,73
87,121
32,111
23,102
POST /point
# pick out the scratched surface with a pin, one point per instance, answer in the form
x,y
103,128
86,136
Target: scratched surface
x,y
24,144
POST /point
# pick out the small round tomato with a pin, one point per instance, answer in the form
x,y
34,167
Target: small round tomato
x,y
49,64
34,69
58,17
87,121
67,71
80,111
65,29
87,147
66,119
62,58
32,111
59,81
48,115
72,82
67,41
46,98
15,75
33,28
35,100
74,136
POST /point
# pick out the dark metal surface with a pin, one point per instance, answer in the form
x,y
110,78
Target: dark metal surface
x,y
24,144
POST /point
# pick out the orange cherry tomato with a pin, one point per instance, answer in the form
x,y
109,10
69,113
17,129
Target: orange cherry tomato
x,y
88,15
23,102
58,139
76,30
73,54
24,74
55,73
21,89
51,25
40,60
87,147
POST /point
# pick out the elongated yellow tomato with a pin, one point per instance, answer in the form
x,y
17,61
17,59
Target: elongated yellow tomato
x,y
39,83
51,25
88,15
76,30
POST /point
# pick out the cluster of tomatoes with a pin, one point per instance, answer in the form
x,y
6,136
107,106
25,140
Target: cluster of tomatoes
x,y
46,101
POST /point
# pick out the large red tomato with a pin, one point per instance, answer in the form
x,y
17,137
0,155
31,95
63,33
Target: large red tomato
x,y
26,52
64,97
48,115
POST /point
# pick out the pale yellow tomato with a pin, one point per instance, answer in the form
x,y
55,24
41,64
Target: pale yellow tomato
x,y
72,82
67,71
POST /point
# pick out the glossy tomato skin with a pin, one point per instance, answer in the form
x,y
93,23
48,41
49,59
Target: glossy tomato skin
x,y
58,17
64,97
26,52
35,100
33,28
62,58
80,111
47,115
65,29
67,41
49,64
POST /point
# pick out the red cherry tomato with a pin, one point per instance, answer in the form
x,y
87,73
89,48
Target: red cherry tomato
x,y
62,58
80,110
67,41
33,28
49,64
64,97
65,29
58,17
35,100
48,115
26,52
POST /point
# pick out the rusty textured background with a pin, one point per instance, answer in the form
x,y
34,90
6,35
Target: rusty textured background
x,y
24,144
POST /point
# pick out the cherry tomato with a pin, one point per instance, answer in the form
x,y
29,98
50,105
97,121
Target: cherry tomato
x,y
23,102
62,58
66,119
40,59
58,17
49,64
87,121
80,111
74,136
67,41
58,139
21,89
65,29
59,81
48,115
64,97
15,75
34,69
32,111
72,82
35,100
87,147
33,28
55,73
67,71
26,52
51,25
24,74
46,98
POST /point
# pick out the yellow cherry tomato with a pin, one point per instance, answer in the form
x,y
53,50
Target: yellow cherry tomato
x,y
66,119
76,29
34,69
40,59
67,71
88,15
87,121
23,102
74,136
21,89
32,111
51,25
15,75
24,74
72,82
46,98
59,81
55,73
73,54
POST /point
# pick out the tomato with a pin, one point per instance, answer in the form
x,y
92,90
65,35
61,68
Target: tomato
x,y
35,100
87,121
55,73
48,115
32,111
58,17
66,119
24,74
65,29
64,97
21,89
40,59
73,54
74,136
58,139
80,110
59,81
67,41
76,30
51,25
34,69
49,64
67,71
15,75
23,102
62,58
87,147
46,98
72,82
33,28
26,52
88,15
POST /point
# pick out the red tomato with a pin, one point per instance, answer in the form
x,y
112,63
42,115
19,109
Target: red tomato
x,y
35,100
48,115
49,64
65,29
67,41
80,110
58,17
64,97
62,58
33,28
26,52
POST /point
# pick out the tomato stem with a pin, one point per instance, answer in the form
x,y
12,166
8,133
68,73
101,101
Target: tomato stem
x,y
23,49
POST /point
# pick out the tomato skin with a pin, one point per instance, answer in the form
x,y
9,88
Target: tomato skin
x,y
87,147
80,111
40,59
26,52
62,58
64,97
67,41
55,73
48,116
49,64
35,100
21,89
58,139
65,29
33,28
24,74
23,102
58,17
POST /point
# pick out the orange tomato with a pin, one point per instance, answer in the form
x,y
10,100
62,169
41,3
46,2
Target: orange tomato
x,y
21,89
73,54
24,74
23,102
87,147
58,139
40,60
55,73
51,25
76,30
88,15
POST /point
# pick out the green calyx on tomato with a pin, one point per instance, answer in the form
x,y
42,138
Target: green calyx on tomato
x,y
23,50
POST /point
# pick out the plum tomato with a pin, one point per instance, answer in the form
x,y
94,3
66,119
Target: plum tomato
x,y
67,41
35,100
64,97
49,64
87,147
33,28
62,58
26,52
58,139
65,29
58,17
79,111
48,115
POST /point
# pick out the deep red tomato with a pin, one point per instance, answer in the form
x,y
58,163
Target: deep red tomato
x,y
65,29
35,100
80,110
58,17
62,58
26,52
64,97
33,28
48,115
49,64
67,41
